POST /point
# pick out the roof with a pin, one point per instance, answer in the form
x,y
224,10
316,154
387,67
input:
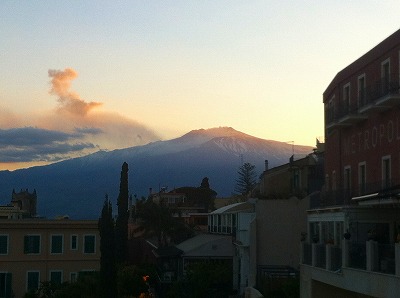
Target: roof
x,y
207,245
234,208
169,251
373,54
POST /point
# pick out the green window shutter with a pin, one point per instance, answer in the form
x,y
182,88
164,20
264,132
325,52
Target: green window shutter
x,y
55,277
3,244
31,244
57,244
89,244
8,291
36,244
33,280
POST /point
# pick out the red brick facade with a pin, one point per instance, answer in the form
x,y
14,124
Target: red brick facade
x,y
362,123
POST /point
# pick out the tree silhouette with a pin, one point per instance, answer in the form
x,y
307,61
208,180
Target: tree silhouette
x,y
107,249
121,226
247,179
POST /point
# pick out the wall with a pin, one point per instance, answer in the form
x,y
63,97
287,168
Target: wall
x,y
279,227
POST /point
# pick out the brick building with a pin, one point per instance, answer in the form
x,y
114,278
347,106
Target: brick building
x,y
351,248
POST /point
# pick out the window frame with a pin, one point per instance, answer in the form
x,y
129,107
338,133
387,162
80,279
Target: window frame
x,y
84,243
40,244
56,271
7,246
27,279
385,80
386,173
347,97
51,244
7,283
361,90
362,183
76,242
73,279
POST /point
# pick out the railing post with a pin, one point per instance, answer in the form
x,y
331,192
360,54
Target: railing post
x,y
372,255
397,258
328,256
314,254
301,252
345,253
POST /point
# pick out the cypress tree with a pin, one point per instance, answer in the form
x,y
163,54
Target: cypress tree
x,y
107,249
121,227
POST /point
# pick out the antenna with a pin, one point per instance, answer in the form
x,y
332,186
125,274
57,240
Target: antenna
x,y
292,142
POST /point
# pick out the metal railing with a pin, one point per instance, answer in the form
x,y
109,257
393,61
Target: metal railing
x,y
366,96
358,255
307,253
321,256
336,258
343,197
386,258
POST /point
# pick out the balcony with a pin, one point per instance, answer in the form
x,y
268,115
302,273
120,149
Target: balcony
x,y
380,96
384,191
368,256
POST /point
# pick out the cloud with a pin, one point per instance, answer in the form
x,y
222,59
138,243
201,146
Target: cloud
x,y
69,101
74,128
36,144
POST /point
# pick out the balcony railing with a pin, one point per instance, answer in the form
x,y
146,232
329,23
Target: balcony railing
x,y
307,255
320,255
343,197
357,255
369,97
369,256
386,258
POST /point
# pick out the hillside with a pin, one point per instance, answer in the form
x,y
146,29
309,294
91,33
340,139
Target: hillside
x,y
77,187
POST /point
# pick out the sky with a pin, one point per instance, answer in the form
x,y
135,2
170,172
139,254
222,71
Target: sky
x,y
81,76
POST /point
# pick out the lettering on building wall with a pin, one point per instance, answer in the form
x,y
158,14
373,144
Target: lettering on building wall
x,y
373,137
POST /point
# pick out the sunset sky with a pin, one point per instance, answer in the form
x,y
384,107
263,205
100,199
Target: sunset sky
x,y
79,76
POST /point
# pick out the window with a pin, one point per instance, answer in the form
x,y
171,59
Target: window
x,y
56,277
89,244
57,244
346,97
3,245
385,76
361,91
327,181
32,280
347,177
5,284
362,176
296,179
73,277
331,109
386,172
347,181
74,242
32,244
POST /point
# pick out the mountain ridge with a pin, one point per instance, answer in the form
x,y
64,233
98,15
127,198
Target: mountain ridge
x,y
78,186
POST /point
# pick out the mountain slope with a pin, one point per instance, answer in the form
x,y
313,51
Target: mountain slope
x,y
77,187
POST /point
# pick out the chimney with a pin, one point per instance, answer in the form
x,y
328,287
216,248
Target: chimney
x,y
266,164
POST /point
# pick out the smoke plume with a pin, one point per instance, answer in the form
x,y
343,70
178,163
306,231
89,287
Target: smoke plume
x,y
69,101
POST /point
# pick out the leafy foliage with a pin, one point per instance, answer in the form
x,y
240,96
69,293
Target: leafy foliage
x,y
158,221
87,286
131,282
205,279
